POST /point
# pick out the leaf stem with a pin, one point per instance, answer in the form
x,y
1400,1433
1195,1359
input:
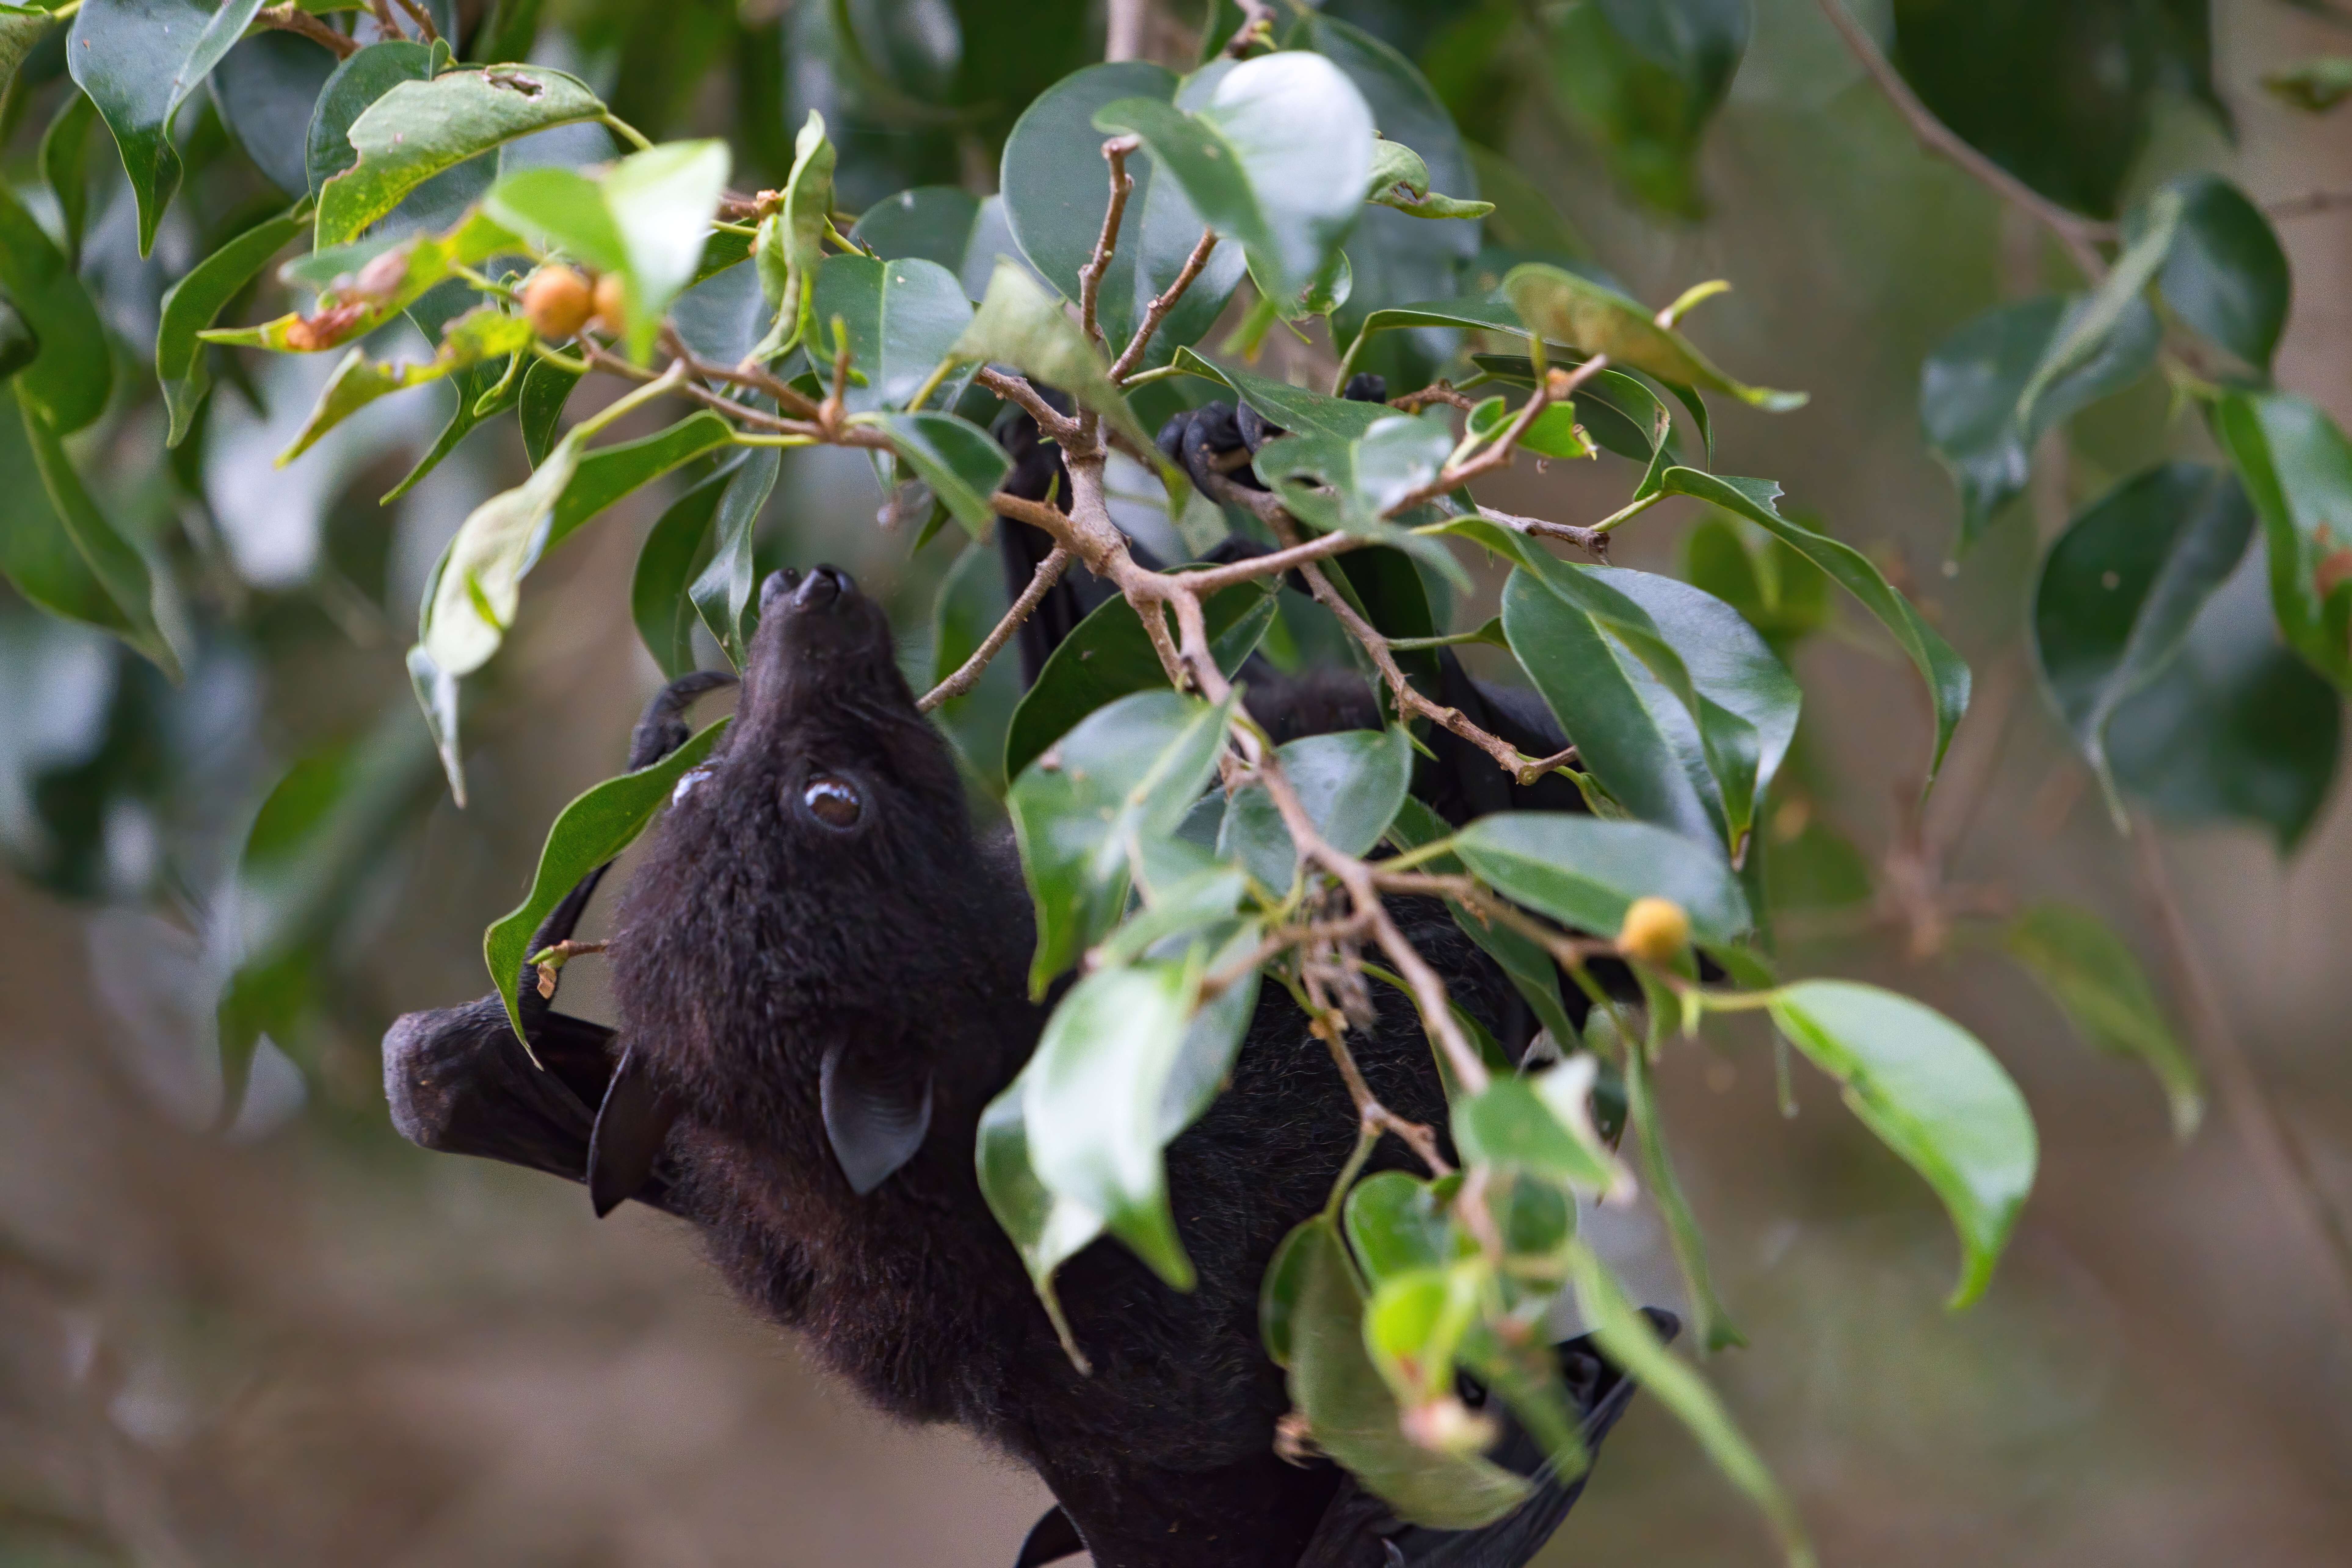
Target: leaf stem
x,y
627,132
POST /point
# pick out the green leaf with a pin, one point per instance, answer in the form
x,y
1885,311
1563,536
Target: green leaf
x,y
2092,976
674,551
662,203
1560,307
1398,1223
353,304
1553,433
1351,784
21,26
2314,86
609,473
2121,588
64,158
1415,1323
930,223
598,824
1644,87
1276,158
1542,1124
1945,672
59,548
1046,1229
2084,337
357,82
1057,193
1777,592
1971,391
479,584
1126,775
723,594
971,600
1712,1320
1019,324
1299,409
1629,1341
1933,1094
1528,966
2238,728
1352,1415
483,332
790,243
1400,179
2226,276
417,129
70,382
266,90
956,458
1109,655
1583,872
138,60
546,388
18,346
2297,469
1367,476
192,303
903,319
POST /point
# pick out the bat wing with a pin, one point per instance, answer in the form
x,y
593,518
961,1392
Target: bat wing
x,y
1359,1531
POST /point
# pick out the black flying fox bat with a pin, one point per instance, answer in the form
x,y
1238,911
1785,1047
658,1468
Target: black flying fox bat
x,y
819,973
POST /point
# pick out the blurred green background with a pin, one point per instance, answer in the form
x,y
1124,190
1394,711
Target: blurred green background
x,y
299,1342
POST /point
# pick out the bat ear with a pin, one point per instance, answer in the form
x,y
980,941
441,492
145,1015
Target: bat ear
x,y
1051,1539
632,1127
877,1106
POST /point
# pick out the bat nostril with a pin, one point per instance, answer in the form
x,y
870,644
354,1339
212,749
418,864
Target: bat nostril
x,y
779,583
825,585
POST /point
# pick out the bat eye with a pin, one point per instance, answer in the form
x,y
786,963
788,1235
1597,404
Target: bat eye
x,y
832,802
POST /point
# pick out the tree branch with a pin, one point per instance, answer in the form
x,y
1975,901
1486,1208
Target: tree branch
x,y
968,673
291,18
1017,390
1156,312
2077,233
1090,275
423,21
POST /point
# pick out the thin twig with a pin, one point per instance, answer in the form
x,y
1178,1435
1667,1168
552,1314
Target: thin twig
x,y
1090,275
1017,390
968,673
755,376
1258,27
1211,579
2278,1161
2078,234
1591,542
291,18
1328,1025
1435,391
2308,204
385,24
1157,311
423,20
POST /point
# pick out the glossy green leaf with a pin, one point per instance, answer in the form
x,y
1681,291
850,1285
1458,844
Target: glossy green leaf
x,y
962,463
2121,588
1110,655
1646,103
2314,86
1352,1415
2237,728
357,82
417,129
1057,193
351,303
70,382
2092,975
2226,274
675,552
609,473
1351,784
1400,179
1972,386
1554,432
662,203
546,388
1276,158
930,223
478,586
21,26
723,594
971,600
1583,872
18,345
1362,480
903,319
1777,590
1398,1223
1021,324
1945,672
1559,306
266,92
190,305
790,243
138,60
1626,1335
1415,1324
1128,773
483,332
1932,1094
1046,1229
57,549
64,158
2297,468
2083,338
1299,410
597,825
1542,1124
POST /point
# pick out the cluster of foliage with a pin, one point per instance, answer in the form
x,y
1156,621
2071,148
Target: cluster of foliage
x,y
534,236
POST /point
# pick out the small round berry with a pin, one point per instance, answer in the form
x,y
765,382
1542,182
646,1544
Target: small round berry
x,y
556,301
1655,929
612,312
